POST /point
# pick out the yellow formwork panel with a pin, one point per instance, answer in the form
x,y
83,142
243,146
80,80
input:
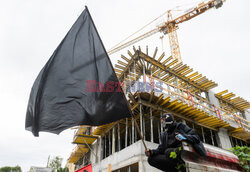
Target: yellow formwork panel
x,y
77,154
205,119
172,63
242,135
82,149
173,103
222,92
187,72
73,159
185,68
88,138
183,107
212,122
192,75
189,113
196,77
188,108
165,101
228,96
177,106
100,129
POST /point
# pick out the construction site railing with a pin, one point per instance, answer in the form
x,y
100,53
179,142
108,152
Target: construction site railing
x,y
201,103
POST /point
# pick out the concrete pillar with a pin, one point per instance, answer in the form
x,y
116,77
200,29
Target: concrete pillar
x,y
99,148
247,115
203,136
141,167
224,140
113,140
129,169
212,99
212,137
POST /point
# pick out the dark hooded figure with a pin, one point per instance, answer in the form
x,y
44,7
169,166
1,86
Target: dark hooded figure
x,y
167,156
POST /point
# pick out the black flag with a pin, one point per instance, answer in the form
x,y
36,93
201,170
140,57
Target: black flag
x,y
77,86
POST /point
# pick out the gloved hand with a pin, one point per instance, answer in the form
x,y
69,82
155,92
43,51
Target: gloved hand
x,y
148,152
180,137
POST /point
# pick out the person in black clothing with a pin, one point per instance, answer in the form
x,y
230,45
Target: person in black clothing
x,y
167,157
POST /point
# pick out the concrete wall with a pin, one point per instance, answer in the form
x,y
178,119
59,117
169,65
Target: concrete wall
x,y
213,99
247,114
224,139
132,154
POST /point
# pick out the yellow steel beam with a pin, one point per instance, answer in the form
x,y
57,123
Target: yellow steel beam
x,y
159,98
167,60
196,77
122,63
125,58
192,75
166,100
187,72
161,57
172,63
222,92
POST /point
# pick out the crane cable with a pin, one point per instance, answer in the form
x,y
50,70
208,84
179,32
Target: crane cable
x,y
137,31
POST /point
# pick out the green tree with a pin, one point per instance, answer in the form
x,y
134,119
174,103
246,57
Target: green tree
x,y
11,169
65,169
243,154
56,165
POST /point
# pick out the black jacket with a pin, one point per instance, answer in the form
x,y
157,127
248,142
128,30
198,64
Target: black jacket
x,y
168,140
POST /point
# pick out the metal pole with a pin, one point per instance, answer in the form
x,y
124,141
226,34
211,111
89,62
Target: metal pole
x,y
130,135
144,76
134,68
193,125
48,161
105,153
159,132
133,130
100,149
212,137
151,126
113,140
126,134
141,125
144,127
160,123
118,136
236,142
89,147
203,137
110,143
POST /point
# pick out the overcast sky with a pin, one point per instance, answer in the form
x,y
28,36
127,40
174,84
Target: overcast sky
x,y
215,43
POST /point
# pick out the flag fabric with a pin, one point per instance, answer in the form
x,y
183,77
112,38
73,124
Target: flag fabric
x,y
77,86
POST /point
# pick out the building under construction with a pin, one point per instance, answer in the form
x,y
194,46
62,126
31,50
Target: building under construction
x,y
155,84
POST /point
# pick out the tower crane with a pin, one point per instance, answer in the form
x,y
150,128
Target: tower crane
x,y
171,26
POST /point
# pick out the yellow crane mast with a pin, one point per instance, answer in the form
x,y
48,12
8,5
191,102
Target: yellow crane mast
x,y
171,26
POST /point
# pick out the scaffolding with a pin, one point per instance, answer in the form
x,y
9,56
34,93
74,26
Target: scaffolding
x,y
154,86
